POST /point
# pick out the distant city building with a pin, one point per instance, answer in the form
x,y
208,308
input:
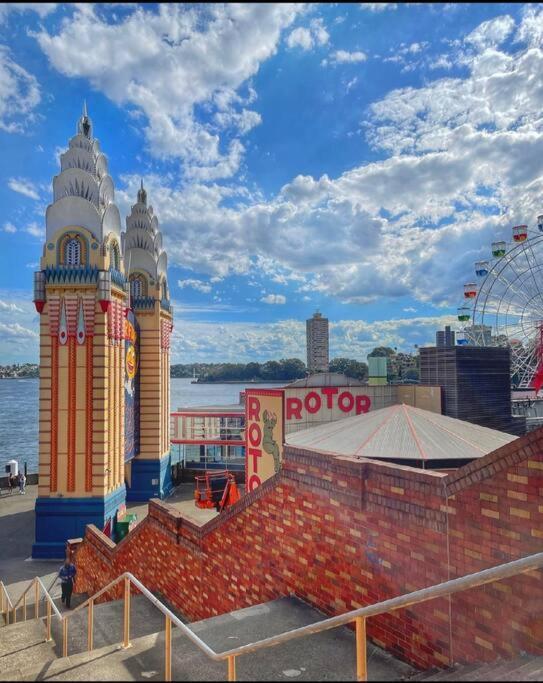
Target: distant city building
x,y
445,338
377,370
475,382
317,343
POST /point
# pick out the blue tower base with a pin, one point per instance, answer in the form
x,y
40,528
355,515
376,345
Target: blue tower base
x,y
150,479
58,519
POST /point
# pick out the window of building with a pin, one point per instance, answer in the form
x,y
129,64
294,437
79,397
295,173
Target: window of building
x,y
137,286
115,257
72,254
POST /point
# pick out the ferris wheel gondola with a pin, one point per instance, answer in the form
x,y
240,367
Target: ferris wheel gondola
x,y
504,307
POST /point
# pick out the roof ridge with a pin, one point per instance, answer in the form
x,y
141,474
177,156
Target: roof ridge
x,y
396,408
457,436
413,432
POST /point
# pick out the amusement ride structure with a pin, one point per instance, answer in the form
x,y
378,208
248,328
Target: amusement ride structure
x,y
504,307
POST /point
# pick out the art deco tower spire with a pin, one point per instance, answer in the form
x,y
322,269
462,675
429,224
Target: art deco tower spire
x,y
81,296
149,298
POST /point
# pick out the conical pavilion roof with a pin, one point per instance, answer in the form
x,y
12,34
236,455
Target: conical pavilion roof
x,y
401,432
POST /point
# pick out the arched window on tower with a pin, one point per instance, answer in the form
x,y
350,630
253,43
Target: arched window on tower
x,y
164,290
115,256
137,286
72,253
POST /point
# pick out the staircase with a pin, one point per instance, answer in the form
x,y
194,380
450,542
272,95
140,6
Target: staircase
x,y
524,668
24,656
264,642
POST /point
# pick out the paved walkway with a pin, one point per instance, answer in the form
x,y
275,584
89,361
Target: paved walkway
x,y
183,500
16,539
17,528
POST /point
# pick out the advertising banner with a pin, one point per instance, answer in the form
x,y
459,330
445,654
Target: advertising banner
x,y
264,428
310,406
131,388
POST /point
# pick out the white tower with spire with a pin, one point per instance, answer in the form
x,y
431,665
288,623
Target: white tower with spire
x,y
147,262
80,293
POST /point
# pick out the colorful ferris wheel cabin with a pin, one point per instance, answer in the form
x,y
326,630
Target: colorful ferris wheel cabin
x,y
540,223
481,268
470,290
498,249
464,313
520,233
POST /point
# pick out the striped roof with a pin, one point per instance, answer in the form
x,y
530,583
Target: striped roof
x,y
401,432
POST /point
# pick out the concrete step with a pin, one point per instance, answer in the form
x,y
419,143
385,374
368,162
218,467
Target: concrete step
x,y
145,619
325,657
23,644
522,668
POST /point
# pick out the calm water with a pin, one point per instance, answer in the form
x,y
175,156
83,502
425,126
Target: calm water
x,y
19,412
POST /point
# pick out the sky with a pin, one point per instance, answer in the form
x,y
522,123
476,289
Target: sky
x,y
352,158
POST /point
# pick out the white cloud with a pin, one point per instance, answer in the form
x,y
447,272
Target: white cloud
x,y
42,9
19,327
4,306
35,230
19,94
167,61
260,341
492,32
9,227
24,187
16,332
198,285
274,299
461,162
345,57
307,38
378,6
530,30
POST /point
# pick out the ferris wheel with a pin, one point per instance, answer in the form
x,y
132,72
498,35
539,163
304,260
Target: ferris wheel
x,y
504,306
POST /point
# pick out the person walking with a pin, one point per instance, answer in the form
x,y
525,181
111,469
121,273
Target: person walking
x,y
10,484
22,483
67,579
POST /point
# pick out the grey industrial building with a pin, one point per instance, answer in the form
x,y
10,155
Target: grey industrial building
x,y
476,384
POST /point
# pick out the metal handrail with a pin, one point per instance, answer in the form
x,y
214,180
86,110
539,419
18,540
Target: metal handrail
x,y
31,583
359,616
37,583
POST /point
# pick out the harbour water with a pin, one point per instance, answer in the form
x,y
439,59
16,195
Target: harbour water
x,y
19,412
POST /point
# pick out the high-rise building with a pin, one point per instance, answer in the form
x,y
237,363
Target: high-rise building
x,y
445,337
100,350
317,343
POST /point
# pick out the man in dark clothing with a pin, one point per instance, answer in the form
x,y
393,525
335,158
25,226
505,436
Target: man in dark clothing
x,y
67,578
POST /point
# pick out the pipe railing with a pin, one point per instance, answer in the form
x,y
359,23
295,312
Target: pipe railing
x,y
357,616
5,602
39,590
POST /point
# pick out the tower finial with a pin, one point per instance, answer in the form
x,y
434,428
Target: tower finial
x,y
142,194
85,108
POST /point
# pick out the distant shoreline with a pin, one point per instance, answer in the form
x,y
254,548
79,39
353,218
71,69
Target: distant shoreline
x,y
239,381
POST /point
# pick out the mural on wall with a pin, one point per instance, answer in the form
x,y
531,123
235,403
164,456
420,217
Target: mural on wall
x,y
131,388
264,434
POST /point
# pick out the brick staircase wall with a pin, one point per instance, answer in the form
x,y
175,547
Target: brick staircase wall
x,y
341,533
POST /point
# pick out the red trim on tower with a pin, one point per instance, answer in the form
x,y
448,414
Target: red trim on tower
x,y
88,414
53,465
72,369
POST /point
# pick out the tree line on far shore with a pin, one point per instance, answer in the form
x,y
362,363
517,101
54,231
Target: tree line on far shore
x,y
292,368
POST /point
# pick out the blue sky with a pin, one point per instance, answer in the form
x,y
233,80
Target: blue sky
x,y
356,158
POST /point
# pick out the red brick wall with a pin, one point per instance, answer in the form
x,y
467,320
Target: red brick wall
x,y
342,533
